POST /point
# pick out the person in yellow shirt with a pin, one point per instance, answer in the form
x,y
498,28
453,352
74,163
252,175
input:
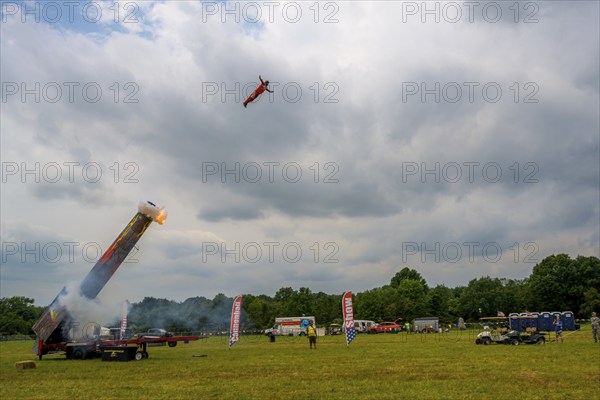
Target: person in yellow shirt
x,y
311,332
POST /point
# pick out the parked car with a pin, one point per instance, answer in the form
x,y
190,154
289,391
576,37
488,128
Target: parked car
x,y
158,333
362,325
385,327
155,332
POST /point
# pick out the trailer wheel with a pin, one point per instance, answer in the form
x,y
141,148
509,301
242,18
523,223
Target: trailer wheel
x,y
145,353
139,355
172,344
78,354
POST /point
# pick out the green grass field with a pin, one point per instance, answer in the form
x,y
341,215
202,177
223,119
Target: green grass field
x,y
384,366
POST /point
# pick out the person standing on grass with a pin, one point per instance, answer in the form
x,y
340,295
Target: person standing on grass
x,y
558,325
595,327
311,332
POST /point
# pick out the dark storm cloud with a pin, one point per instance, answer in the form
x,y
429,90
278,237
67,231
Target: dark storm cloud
x,y
233,213
85,193
33,253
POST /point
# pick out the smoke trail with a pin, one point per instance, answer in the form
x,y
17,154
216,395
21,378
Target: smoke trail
x,y
85,314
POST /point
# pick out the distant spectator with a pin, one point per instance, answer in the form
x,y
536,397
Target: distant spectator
x,y
595,327
558,325
311,332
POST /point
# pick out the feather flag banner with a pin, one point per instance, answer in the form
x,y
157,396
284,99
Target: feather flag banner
x,y
348,312
234,328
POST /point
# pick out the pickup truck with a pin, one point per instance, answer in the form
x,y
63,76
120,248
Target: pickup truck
x,y
157,333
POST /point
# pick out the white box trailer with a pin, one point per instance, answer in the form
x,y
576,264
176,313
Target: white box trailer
x,y
290,326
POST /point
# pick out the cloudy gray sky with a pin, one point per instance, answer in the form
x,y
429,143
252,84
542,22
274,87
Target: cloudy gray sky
x,y
459,139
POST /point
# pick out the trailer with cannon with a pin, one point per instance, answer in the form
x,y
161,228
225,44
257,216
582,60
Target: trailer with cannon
x,y
57,329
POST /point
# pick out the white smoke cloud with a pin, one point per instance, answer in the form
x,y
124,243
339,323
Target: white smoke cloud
x,y
158,214
85,314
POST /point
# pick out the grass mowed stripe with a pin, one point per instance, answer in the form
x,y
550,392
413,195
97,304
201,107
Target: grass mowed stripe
x,y
383,366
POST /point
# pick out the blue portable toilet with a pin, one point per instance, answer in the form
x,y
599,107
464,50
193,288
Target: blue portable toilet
x,y
533,321
545,321
568,320
515,322
528,320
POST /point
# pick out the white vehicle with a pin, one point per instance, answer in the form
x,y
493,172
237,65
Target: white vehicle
x,y
362,325
290,326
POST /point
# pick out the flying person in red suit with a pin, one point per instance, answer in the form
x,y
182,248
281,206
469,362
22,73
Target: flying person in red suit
x,y
264,85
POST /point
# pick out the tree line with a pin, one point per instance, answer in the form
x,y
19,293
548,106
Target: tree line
x,y
557,283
